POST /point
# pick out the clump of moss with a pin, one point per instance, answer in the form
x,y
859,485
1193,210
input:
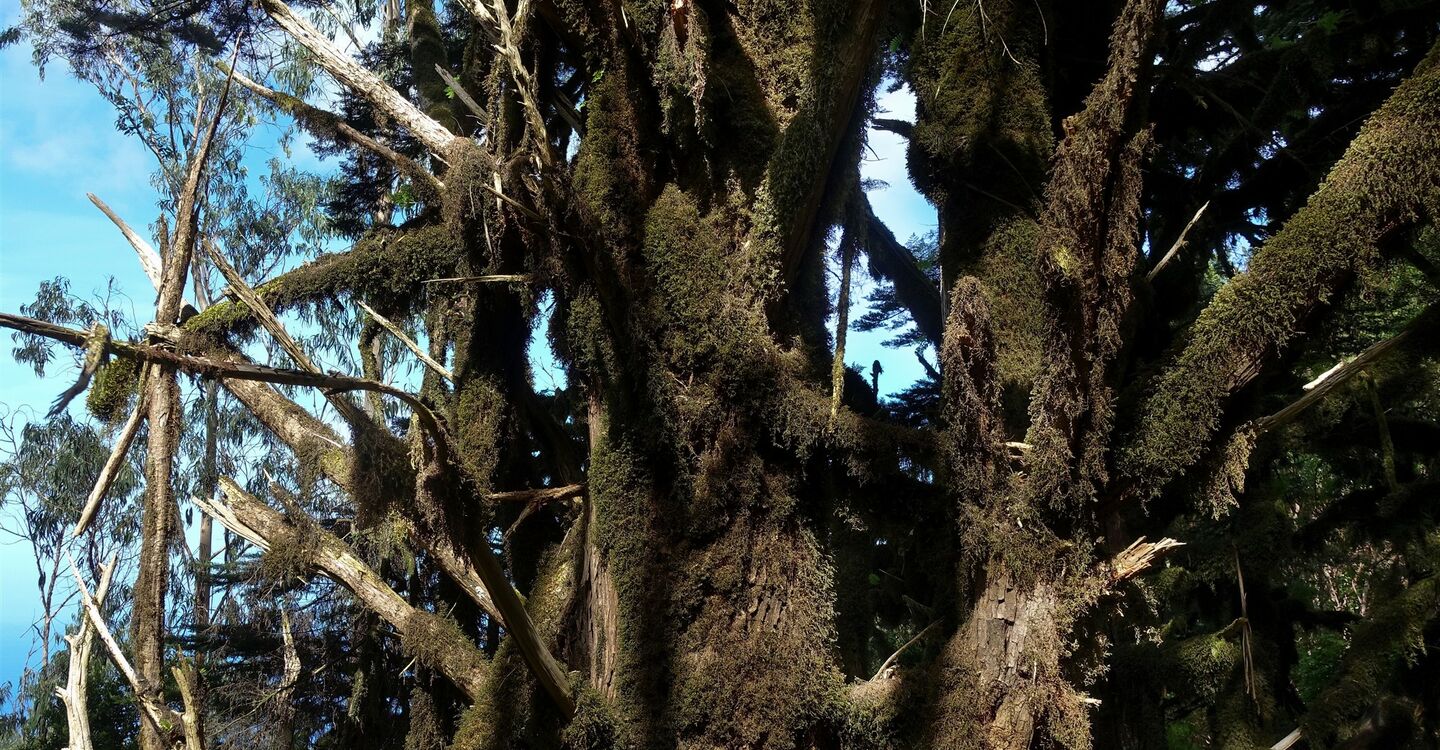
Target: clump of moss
x,y
594,726
291,556
970,394
768,627
480,425
424,732
1008,274
981,118
112,389
581,337
438,642
466,199
611,178
702,319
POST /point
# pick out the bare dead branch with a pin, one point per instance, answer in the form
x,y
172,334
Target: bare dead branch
x,y
462,94
494,278
111,469
363,82
410,344
74,695
1336,376
149,259
1179,243
163,718
891,659
541,496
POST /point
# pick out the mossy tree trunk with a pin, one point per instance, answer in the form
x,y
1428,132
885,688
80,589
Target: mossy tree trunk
x,y
702,593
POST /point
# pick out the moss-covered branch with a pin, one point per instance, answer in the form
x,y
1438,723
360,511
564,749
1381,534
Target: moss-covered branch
x,y
386,268
1389,177
895,263
1380,649
435,640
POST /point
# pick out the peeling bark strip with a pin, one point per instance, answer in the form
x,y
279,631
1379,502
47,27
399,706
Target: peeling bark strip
x,y
1387,178
436,641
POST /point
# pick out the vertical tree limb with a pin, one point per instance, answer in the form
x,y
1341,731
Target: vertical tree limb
x,y
75,694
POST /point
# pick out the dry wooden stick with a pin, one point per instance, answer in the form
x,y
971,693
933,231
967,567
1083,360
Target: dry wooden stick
x,y
111,469
149,258
246,516
164,718
1333,378
409,343
1139,556
363,82
462,94
522,278
891,660
1179,243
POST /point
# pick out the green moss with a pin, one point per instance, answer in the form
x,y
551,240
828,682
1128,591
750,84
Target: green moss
x,y
427,50
424,732
581,338
704,319
480,427
982,119
1381,647
471,170
385,269
291,556
594,726
438,642
611,177
112,389
1009,274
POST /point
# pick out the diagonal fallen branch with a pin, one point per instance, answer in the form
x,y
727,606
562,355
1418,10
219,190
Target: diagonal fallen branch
x,y
1336,376
149,258
245,515
74,695
225,369
1179,243
112,466
363,82
409,343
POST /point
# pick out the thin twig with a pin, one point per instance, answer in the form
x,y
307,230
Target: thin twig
x,y
881,671
1179,243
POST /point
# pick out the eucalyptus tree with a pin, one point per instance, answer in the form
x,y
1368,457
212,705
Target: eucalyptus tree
x,y
1112,516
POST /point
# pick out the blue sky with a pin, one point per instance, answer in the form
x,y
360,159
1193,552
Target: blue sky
x,y
58,142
